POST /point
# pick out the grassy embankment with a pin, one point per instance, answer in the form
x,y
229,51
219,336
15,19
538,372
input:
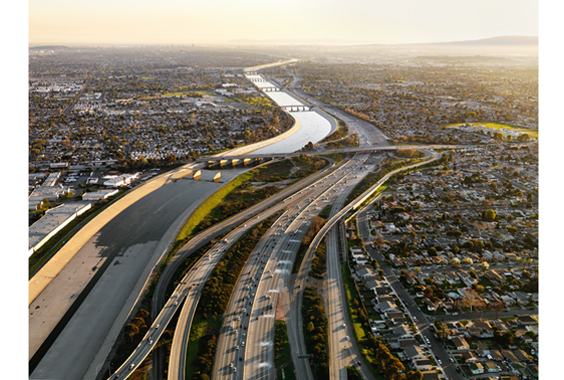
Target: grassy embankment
x,y
531,132
282,353
257,101
238,195
341,131
353,374
315,332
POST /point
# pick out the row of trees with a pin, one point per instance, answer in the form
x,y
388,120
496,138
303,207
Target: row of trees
x,y
217,292
318,264
314,228
218,289
315,333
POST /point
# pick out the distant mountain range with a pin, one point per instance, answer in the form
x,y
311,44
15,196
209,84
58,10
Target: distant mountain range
x,y
501,40
529,41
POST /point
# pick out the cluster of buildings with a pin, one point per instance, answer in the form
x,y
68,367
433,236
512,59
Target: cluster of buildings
x,y
413,100
495,346
129,113
47,190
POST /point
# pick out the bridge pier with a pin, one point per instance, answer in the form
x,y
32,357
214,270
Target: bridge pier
x,y
197,176
217,177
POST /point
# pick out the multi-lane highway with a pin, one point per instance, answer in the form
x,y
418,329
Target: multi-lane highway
x,y
245,347
189,289
266,274
276,201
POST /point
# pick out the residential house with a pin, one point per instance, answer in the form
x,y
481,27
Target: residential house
x,y
414,352
522,334
431,306
495,277
476,368
482,349
460,343
385,307
409,342
469,357
509,356
496,355
396,316
525,320
365,274
491,367
422,364
522,355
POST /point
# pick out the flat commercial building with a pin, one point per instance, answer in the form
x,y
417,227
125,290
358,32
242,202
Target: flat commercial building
x,y
51,193
120,180
54,220
98,195
52,179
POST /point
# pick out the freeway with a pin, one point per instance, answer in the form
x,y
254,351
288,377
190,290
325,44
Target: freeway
x,y
265,276
189,289
203,237
373,149
337,296
342,352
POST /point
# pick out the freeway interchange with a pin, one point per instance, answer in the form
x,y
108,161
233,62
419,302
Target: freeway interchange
x,y
245,344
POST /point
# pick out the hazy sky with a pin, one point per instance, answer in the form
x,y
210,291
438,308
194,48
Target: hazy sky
x,y
221,21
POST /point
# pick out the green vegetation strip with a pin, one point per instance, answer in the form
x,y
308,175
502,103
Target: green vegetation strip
x,y
282,353
208,205
316,224
289,372
315,332
318,264
353,374
337,157
237,196
215,298
342,131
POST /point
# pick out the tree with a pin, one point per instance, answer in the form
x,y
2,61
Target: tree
x,y
470,299
497,307
467,261
310,327
414,375
131,330
490,215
